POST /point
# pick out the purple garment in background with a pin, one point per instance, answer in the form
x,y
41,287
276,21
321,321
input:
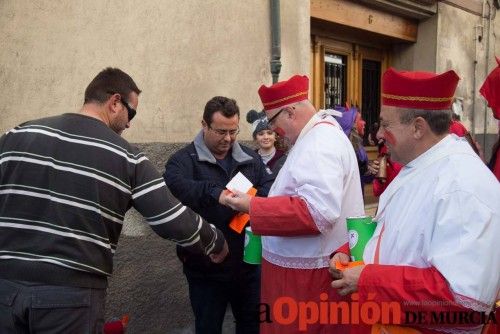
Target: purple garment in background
x,y
347,119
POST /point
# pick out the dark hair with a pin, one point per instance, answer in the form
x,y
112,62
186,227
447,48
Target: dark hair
x,y
110,80
438,120
226,106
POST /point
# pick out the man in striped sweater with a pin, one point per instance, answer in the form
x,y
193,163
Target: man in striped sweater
x,y
66,183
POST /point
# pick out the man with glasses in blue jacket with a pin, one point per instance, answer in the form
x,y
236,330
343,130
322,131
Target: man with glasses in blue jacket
x,y
197,175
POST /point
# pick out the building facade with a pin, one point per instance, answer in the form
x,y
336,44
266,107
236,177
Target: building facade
x,y
182,53
353,42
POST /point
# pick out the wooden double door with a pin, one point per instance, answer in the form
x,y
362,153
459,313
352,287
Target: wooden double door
x,y
348,73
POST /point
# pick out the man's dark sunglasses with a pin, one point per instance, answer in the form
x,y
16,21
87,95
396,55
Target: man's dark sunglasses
x,y
130,111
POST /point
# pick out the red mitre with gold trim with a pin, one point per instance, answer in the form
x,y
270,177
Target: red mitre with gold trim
x,y
491,90
282,93
418,90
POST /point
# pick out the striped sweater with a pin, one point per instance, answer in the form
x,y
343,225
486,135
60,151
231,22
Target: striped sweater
x,y
66,183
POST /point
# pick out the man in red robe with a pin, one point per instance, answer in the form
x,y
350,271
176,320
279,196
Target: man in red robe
x,y
433,252
303,219
491,92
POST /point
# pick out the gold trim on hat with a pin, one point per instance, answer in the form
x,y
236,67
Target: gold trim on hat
x,y
417,98
285,98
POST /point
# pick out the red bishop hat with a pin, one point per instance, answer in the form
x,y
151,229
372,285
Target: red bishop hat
x,y
491,90
286,92
418,90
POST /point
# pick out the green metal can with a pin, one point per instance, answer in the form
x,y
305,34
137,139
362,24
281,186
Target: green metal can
x,y
360,230
252,253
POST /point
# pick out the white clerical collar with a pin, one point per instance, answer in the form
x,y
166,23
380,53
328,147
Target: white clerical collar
x,y
422,158
317,117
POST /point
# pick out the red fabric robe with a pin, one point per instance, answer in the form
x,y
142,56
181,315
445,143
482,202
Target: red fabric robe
x,y
290,217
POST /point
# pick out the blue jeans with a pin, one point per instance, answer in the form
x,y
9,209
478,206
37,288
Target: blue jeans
x,y
209,300
35,308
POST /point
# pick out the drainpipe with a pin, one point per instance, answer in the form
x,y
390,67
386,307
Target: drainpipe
x,y
275,40
486,2
477,39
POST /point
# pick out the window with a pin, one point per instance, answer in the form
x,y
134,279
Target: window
x,y
335,80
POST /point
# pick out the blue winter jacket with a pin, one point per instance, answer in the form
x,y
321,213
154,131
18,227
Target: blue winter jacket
x,y
195,178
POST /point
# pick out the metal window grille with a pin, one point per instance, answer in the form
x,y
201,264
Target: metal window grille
x,y
335,80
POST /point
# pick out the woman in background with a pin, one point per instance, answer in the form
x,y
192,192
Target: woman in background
x,y
266,141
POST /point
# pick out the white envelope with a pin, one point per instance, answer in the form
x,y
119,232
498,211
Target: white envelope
x,y
239,182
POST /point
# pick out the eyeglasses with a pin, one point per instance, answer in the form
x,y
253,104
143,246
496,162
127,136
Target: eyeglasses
x,y
223,133
273,118
131,112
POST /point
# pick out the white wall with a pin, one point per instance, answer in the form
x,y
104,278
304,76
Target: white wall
x,y
180,53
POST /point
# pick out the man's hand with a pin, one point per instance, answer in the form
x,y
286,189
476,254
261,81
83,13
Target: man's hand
x,y
373,167
346,281
236,200
338,257
223,195
218,258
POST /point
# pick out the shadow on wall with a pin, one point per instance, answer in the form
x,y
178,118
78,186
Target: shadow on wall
x,y
147,282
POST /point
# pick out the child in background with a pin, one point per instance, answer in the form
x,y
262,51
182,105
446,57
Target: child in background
x,y
266,141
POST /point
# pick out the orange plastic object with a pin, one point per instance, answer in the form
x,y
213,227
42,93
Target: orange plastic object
x,y
340,266
239,221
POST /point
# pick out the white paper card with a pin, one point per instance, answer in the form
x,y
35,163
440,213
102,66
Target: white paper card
x,y
239,182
